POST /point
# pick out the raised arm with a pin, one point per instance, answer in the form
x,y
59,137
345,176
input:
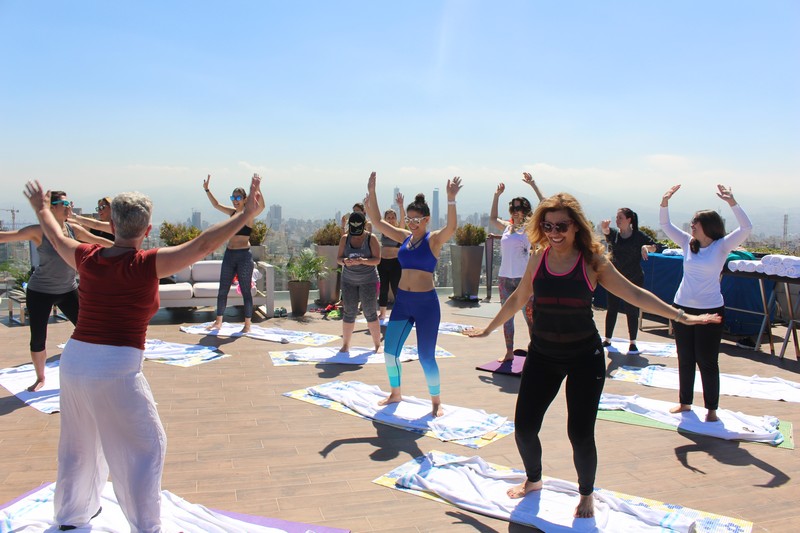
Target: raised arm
x,y
83,235
40,201
527,178
681,238
495,220
174,258
374,212
439,237
228,210
740,234
401,209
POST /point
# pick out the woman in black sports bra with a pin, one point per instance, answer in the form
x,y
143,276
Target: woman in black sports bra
x,y
237,261
561,277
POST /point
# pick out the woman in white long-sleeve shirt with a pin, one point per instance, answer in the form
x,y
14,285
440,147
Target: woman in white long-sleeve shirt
x,y
705,250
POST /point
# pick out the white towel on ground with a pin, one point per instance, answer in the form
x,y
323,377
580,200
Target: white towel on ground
x,y
173,353
730,384
455,424
283,336
19,378
659,349
731,425
473,484
356,356
34,514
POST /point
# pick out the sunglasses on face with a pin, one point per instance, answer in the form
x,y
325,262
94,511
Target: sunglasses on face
x,y
517,207
101,208
414,220
65,203
558,227
237,198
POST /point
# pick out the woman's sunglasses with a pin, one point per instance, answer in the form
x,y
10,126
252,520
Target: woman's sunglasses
x,y
237,198
101,208
414,220
559,227
65,203
517,207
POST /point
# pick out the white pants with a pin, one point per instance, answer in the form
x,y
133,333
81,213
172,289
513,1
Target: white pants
x,y
109,422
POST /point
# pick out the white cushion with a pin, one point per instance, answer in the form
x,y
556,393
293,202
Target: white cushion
x,y
206,271
208,289
184,275
176,291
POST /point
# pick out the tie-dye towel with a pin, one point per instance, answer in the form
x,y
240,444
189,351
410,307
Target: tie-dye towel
x,y
356,356
729,384
183,355
283,336
731,425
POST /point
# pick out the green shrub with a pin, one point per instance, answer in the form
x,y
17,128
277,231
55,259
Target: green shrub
x,y
470,235
306,266
259,233
174,234
328,235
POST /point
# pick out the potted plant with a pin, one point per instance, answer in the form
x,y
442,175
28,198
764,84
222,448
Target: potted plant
x,y
175,234
326,239
300,270
466,260
258,234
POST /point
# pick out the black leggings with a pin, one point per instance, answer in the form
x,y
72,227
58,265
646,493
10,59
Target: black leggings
x,y
699,345
389,271
541,380
631,312
39,306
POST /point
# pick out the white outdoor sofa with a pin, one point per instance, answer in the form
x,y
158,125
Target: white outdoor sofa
x,y
198,284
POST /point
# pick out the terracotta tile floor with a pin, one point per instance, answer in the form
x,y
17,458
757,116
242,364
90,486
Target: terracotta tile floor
x,y
235,443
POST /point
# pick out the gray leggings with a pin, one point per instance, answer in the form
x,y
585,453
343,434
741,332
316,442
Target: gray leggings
x,y
239,263
367,294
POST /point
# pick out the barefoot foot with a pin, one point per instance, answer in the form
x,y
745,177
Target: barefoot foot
x,y
711,416
392,398
682,408
506,357
518,491
344,349
437,410
585,508
215,325
38,384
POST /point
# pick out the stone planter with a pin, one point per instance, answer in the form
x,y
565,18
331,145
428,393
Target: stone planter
x,y
298,296
329,285
259,252
466,263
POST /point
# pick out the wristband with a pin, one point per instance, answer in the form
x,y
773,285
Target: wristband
x,y
681,314
206,190
452,202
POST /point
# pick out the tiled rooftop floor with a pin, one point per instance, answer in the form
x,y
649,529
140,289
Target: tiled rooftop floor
x,y
235,443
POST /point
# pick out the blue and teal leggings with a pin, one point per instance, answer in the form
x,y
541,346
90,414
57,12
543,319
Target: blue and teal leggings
x,y
410,309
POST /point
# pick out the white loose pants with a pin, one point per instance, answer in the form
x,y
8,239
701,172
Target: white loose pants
x,y
109,422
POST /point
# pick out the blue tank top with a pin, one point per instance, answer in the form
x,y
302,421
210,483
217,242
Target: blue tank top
x,y
420,257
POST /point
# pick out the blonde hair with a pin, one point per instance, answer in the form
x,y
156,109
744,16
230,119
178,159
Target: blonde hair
x,y
586,240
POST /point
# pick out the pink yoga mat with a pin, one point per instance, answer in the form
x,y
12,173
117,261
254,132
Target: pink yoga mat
x,y
513,368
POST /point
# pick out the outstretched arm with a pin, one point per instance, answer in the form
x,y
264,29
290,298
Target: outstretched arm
x,y
439,237
173,258
89,222
495,220
40,201
83,235
28,233
374,213
527,178
228,210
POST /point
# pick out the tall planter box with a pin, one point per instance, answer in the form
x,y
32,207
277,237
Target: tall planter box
x,y
466,263
298,296
329,286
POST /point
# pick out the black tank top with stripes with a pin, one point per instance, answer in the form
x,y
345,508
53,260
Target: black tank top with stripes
x,y
563,325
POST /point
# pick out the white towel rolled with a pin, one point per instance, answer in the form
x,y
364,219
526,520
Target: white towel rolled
x,y
749,266
760,268
792,272
733,266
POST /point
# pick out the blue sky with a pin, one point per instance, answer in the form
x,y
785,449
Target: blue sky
x,y
613,101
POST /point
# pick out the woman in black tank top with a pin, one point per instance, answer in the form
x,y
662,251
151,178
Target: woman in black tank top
x,y
561,277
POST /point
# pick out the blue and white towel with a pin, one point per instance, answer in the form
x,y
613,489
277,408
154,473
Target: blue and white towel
x,y
283,336
731,425
658,349
455,424
184,355
730,384
356,355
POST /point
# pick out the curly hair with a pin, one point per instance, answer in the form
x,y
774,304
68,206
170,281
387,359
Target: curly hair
x,y
586,241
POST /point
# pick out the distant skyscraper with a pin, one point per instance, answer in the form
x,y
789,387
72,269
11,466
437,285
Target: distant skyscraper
x,y
394,200
435,210
197,219
274,216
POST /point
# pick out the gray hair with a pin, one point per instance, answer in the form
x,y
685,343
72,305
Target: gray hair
x,y
130,212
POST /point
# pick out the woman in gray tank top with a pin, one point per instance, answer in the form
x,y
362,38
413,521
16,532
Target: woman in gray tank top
x,y
359,255
52,282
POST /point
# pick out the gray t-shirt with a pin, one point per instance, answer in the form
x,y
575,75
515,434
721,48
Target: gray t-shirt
x,y
359,274
53,275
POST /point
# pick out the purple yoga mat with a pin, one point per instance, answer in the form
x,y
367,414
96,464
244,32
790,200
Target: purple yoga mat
x,y
290,527
513,368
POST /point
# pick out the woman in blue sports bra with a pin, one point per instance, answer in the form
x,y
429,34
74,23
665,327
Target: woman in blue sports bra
x,y
237,261
416,302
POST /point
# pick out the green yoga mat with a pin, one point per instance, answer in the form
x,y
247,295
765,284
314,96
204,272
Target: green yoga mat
x,y
638,420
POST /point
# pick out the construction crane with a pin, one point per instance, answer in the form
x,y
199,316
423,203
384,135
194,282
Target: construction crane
x,y
13,217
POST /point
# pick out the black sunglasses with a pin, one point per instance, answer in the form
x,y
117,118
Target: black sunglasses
x,y
559,227
517,207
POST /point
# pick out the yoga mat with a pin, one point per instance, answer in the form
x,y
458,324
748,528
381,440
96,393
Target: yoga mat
x,y
731,425
33,511
730,384
357,356
658,349
513,368
17,379
283,336
624,417
475,442
536,513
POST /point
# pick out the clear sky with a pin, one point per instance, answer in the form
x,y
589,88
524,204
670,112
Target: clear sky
x,y
613,101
